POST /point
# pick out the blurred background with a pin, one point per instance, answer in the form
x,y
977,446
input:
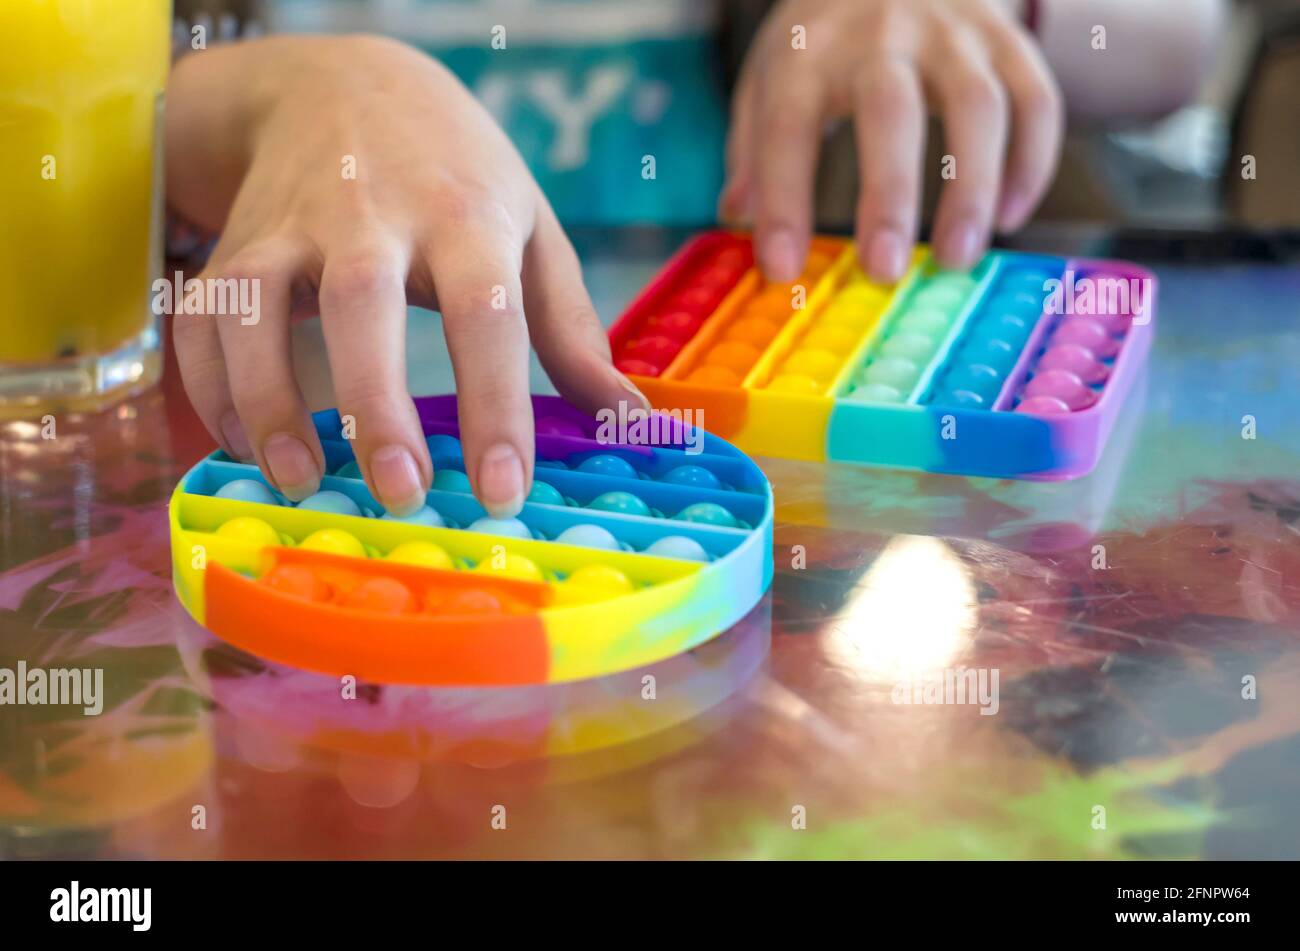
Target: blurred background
x,y
590,88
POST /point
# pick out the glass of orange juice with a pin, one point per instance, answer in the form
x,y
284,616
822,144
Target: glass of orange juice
x,y
81,95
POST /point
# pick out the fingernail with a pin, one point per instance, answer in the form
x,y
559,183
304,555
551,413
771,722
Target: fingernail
x,y
293,467
780,257
631,388
501,481
232,431
397,480
887,256
961,246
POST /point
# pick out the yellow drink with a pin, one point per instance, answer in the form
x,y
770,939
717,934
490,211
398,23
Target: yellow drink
x,y
81,91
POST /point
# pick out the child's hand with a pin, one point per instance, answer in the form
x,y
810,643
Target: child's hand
x,y
886,63
359,173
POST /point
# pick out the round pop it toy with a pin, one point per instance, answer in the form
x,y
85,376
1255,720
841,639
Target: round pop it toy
x,y
629,555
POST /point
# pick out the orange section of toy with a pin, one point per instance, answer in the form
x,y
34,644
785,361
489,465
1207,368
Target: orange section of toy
x,y
330,613
732,339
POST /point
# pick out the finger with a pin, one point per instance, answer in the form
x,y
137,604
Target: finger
x,y
889,121
1037,129
734,203
787,137
565,331
203,373
475,271
363,316
259,365
974,107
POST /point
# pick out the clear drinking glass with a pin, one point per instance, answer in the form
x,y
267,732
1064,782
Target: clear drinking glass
x,y
81,99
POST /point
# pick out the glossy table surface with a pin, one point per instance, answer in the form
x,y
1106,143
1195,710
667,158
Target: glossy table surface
x,y
1141,627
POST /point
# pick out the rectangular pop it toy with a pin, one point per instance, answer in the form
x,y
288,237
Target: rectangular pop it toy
x,y
1016,369
623,555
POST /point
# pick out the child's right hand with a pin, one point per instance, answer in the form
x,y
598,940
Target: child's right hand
x,y
441,212
887,64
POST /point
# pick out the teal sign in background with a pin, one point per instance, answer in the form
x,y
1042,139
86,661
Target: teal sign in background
x,y
589,90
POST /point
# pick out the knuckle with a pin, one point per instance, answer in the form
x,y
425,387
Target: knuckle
x,y
496,305
462,204
969,204
357,276
494,395
368,399
1042,100
884,91
886,198
981,93
246,264
202,372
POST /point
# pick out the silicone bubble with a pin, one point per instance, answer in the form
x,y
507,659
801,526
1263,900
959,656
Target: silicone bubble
x,y
733,355
795,383
441,444
623,502
349,470
545,493
1080,361
423,554
609,466
994,352
911,346
876,393
327,500
381,595
926,321
334,542
247,490
601,576
1064,386
471,603
424,515
898,372
696,476
1043,406
755,331
657,350
715,376
588,536
252,531
818,364
506,527
678,546
975,378
708,513
1088,333
451,480
298,581
830,337
679,325
511,565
